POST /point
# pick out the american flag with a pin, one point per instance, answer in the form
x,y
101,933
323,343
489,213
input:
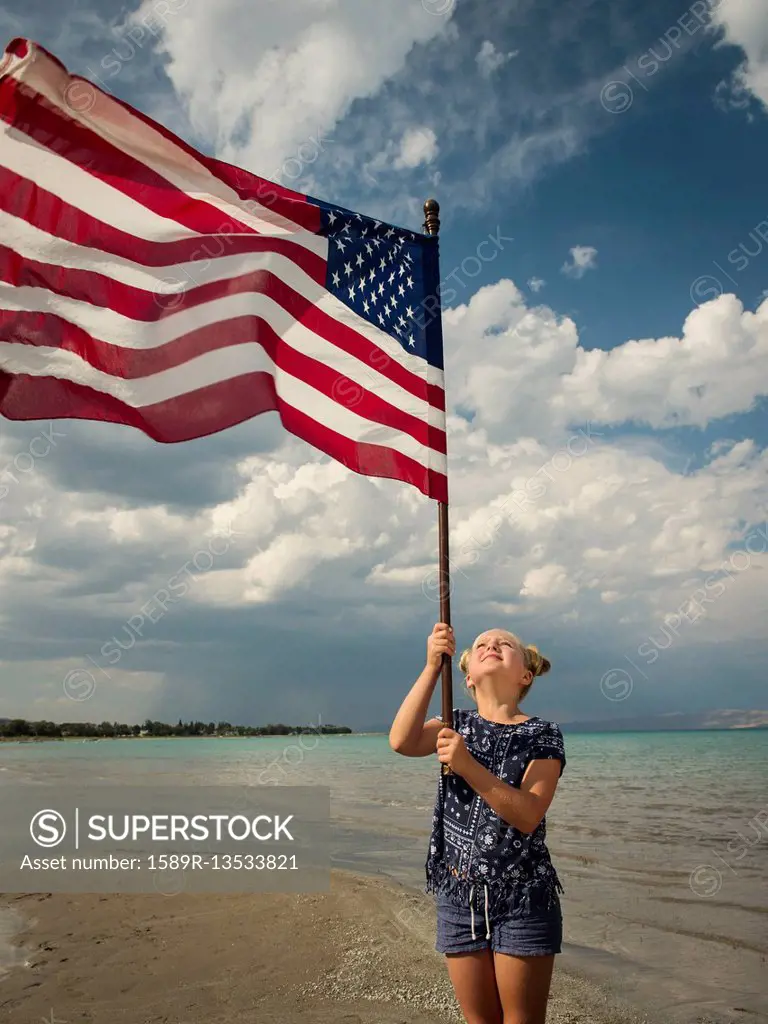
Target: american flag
x,y
144,283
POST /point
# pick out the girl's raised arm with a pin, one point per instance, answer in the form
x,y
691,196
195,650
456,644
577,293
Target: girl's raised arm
x,y
410,735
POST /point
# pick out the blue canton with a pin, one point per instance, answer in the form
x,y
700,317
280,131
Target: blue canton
x,y
470,844
388,276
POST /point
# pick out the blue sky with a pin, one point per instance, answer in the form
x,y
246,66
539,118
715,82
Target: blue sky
x,y
618,154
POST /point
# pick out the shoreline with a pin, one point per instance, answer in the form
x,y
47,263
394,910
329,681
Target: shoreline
x,y
364,948
107,739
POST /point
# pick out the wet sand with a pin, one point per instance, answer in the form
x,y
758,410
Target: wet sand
x,y
361,953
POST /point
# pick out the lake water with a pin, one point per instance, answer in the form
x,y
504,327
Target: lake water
x,y
660,839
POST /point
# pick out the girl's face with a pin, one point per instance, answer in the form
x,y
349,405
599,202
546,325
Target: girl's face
x,y
497,653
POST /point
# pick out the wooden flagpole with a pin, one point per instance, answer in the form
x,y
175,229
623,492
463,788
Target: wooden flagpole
x,y
432,227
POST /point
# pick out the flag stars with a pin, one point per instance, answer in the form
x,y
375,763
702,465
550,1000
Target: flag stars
x,y
373,272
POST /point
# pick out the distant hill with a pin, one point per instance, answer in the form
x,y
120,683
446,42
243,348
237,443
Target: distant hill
x,y
722,718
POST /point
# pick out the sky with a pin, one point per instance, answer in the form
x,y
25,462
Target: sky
x,y
604,258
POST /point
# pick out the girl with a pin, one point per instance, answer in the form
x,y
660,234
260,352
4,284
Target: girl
x,y
499,920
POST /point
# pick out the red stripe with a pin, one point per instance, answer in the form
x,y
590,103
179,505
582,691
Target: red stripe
x,y
24,199
139,304
207,411
292,205
34,116
48,330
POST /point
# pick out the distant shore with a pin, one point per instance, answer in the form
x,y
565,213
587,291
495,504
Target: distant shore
x,y
106,739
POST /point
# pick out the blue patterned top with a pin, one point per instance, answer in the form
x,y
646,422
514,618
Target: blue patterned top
x,y
471,845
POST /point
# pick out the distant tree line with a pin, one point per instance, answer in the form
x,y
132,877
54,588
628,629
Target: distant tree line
x,y
20,727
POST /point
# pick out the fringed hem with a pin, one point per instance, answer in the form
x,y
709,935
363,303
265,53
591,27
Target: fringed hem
x,y
508,895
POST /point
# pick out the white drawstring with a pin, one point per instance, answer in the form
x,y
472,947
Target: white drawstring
x,y
472,912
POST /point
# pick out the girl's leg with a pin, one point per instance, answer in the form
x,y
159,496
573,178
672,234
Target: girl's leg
x,y
474,982
523,986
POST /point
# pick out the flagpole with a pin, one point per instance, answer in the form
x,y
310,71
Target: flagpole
x,y
432,227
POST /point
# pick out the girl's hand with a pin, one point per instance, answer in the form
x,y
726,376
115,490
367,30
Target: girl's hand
x,y
440,641
452,750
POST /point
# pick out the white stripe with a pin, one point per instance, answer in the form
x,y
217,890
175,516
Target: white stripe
x,y
32,243
134,137
213,368
75,186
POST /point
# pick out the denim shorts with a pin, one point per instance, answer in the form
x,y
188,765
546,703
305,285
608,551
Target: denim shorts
x,y
539,933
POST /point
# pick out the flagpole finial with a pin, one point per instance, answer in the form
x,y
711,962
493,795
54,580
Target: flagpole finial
x,y
432,217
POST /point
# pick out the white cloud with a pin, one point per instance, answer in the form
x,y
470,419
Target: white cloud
x,y
582,259
536,283
260,79
417,146
711,371
548,581
534,378
489,59
744,24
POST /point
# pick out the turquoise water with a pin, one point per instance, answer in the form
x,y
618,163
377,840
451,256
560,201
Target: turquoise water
x,y
660,839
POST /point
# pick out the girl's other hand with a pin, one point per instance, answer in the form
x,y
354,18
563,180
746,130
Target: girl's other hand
x,y
452,750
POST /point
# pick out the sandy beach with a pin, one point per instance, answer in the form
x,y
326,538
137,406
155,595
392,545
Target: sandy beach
x,y
361,953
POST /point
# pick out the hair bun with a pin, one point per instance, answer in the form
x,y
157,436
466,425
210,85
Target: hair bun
x,y
539,664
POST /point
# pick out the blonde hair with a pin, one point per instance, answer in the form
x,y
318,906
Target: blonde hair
x,y
534,662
